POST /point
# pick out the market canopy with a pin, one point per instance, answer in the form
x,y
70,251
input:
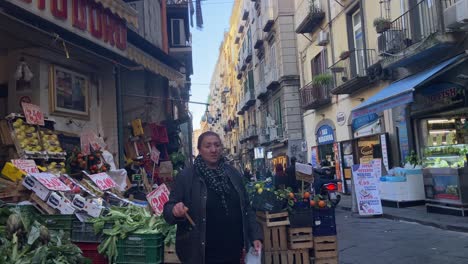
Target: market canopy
x,y
121,9
399,92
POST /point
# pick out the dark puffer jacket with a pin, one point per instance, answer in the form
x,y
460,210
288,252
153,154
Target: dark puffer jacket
x,y
191,190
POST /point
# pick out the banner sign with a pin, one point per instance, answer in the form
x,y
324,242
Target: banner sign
x,y
103,181
314,157
51,182
29,166
325,135
33,114
366,178
157,198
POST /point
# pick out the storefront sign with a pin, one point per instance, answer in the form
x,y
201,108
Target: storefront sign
x,y
438,96
259,153
158,198
51,182
325,135
366,125
85,18
314,157
33,114
103,181
340,118
366,177
29,166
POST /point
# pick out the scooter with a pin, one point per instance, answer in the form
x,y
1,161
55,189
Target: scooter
x,y
326,185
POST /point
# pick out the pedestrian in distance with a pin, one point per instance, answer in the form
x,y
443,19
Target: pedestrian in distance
x,y
291,175
213,195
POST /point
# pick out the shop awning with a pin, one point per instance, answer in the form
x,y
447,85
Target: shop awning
x,y
121,9
399,92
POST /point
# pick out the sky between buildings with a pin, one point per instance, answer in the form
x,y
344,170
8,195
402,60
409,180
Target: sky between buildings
x,y
205,48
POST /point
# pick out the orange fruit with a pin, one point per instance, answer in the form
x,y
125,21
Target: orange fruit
x,y
291,195
322,203
312,203
307,195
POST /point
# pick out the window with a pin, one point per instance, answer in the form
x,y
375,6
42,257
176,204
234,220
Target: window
x,y
358,42
251,82
278,117
178,32
319,64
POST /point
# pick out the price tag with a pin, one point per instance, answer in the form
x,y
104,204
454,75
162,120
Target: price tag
x,y
103,181
29,166
136,177
158,198
51,182
33,114
155,154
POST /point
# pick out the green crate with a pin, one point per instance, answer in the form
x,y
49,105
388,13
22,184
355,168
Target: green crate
x,y
59,222
140,249
26,208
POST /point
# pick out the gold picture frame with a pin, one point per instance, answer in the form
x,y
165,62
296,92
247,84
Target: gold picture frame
x,y
69,93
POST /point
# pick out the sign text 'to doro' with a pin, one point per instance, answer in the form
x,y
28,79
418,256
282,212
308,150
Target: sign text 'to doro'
x,y
85,18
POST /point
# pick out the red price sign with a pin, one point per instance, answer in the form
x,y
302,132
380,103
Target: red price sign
x,y
28,166
158,198
33,114
51,182
103,181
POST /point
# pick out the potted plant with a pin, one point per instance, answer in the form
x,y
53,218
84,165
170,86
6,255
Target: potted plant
x,y
323,79
382,24
412,159
344,55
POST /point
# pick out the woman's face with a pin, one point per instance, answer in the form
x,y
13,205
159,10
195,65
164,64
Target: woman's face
x,y
210,150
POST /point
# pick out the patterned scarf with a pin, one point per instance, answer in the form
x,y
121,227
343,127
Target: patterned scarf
x,y
216,180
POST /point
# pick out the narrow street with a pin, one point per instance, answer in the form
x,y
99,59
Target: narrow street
x,y
382,241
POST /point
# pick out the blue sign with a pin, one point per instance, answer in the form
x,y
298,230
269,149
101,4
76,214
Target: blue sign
x,y
325,135
364,120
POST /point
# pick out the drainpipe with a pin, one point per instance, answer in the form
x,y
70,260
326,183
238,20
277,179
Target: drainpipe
x,y
331,32
119,104
363,23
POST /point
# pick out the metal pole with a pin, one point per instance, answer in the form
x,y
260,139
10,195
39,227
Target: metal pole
x,y
120,126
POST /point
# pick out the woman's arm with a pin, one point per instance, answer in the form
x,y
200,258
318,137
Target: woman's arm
x,y
176,196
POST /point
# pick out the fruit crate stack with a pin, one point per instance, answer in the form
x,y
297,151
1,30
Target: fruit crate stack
x,y
140,249
325,240
275,244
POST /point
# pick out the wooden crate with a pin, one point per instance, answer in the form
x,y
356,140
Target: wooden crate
x,y
275,238
326,261
13,191
273,219
275,257
300,238
170,255
325,247
298,256
41,205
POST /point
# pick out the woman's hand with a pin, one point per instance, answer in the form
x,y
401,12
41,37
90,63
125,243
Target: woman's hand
x,y
257,246
179,210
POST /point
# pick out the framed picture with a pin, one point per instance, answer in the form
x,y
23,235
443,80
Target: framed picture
x,y
69,93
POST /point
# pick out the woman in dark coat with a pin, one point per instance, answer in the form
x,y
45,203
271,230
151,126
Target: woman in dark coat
x,y
212,194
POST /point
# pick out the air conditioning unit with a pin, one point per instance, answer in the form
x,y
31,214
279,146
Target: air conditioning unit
x,y
323,38
456,16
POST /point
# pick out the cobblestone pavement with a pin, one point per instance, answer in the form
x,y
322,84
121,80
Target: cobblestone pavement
x,y
371,240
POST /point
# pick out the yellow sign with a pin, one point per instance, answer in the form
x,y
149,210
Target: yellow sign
x,y
12,172
137,127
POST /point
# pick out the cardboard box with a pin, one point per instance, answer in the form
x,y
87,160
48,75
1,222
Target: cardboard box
x,y
88,206
34,185
60,203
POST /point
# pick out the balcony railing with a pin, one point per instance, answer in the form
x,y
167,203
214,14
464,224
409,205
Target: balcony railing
x,y
248,100
267,11
350,74
271,78
315,96
309,16
177,2
276,132
415,25
261,90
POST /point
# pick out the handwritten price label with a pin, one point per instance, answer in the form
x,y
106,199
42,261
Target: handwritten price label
x,y
51,182
29,166
103,181
33,114
158,198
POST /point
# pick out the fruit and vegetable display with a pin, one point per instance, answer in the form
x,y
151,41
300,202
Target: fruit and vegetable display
x,y
93,163
25,241
27,136
50,141
450,156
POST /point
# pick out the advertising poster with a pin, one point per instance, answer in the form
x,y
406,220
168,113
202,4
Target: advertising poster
x,y
314,157
366,177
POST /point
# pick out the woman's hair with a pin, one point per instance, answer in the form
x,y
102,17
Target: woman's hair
x,y
206,134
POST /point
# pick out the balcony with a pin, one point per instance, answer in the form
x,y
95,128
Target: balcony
x,y
267,11
271,79
245,14
417,35
248,100
314,96
350,74
177,2
276,132
251,132
248,56
263,136
241,29
240,110
260,90
309,15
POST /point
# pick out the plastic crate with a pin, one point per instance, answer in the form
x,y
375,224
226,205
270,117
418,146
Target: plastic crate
x,y
59,222
84,232
301,217
140,249
324,222
90,251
